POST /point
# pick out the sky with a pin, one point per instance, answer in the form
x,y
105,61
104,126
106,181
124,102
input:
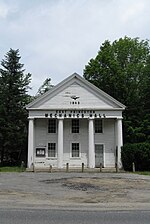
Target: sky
x,y
56,38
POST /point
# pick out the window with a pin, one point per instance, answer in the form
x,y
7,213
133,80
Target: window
x,y
98,126
75,126
51,149
75,149
52,126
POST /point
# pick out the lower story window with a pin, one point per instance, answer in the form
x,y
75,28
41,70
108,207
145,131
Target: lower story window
x,y
51,149
75,149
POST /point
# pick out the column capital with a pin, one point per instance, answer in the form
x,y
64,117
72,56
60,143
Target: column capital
x,y
60,118
31,118
119,118
91,118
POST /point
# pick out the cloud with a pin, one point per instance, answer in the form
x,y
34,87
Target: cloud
x,y
134,10
6,9
59,37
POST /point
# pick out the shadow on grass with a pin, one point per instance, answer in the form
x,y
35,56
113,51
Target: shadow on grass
x,y
12,169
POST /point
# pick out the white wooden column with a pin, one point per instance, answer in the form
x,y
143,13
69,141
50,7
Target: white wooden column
x,y
119,139
30,142
60,143
91,144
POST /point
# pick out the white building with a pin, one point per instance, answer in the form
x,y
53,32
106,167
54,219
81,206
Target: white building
x,y
75,123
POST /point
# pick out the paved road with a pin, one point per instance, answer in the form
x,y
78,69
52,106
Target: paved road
x,y
44,216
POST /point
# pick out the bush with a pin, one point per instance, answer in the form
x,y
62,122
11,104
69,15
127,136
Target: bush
x,y
139,153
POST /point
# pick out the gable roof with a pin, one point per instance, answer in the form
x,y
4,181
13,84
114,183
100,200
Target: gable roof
x,y
73,80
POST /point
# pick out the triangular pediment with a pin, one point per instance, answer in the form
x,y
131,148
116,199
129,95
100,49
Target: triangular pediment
x,y
75,93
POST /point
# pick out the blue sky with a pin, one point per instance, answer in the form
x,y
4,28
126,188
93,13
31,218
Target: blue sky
x,y
58,37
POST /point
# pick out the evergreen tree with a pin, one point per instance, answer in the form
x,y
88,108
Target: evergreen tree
x,y
14,85
44,87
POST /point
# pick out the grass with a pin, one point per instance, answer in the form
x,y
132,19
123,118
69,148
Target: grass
x,y
143,173
11,169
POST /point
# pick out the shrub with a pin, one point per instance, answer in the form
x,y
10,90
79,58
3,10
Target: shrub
x,y
139,153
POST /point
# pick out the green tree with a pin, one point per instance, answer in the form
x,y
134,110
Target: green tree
x,y
14,85
44,87
122,69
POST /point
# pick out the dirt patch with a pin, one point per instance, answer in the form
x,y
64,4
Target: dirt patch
x,y
100,190
74,189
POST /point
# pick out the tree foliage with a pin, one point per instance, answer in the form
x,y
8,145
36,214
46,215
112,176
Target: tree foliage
x,y
14,85
44,87
122,69
137,153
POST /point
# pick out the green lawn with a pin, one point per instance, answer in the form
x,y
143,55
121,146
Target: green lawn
x,y
11,169
143,173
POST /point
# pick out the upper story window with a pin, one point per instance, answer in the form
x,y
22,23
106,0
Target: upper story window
x,y
75,125
98,126
52,126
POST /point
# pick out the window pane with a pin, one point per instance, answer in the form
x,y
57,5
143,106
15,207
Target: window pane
x,y
75,126
98,126
51,149
75,149
51,126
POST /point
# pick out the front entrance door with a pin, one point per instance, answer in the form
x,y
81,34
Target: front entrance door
x,y
99,155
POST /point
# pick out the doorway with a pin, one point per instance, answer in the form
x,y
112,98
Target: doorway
x,y
99,155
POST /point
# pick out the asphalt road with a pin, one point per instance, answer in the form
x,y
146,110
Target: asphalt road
x,y
44,216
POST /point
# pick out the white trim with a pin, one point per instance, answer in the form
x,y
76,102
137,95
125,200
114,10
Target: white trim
x,y
80,108
43,117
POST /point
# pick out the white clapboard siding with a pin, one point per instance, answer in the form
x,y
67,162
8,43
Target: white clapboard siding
x,y
86,99
42,138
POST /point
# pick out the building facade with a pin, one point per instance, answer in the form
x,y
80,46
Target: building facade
x,y
75,123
